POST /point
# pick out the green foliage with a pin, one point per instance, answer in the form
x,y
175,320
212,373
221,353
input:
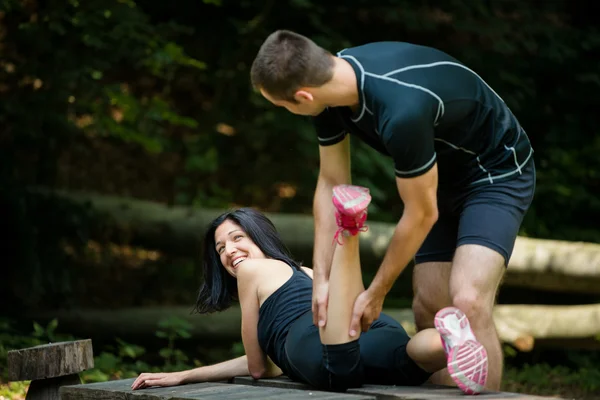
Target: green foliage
x,y
237,349
125,360
166,79
14,390
77,72
172,329
47,333
119,362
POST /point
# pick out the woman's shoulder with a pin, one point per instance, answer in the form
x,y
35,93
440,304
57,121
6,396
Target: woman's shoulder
x,y
261,266
308,271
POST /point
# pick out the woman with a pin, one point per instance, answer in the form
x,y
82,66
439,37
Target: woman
x,y
246,260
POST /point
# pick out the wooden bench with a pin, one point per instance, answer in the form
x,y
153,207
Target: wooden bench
x,y
54,368
50,366
243,388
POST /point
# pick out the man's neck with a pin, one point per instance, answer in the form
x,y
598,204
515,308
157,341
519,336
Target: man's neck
x,y
342,90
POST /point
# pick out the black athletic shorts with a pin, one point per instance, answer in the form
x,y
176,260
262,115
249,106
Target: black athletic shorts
x,y
378,357
488,215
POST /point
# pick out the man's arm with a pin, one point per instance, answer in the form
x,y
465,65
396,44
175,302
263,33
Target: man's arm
x,y
419,195
334,170
420,213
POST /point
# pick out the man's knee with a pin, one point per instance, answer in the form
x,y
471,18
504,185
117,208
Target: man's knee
x,y
476,275
477,306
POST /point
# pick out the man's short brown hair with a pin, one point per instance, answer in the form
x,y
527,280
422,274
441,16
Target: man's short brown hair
x,y
288,61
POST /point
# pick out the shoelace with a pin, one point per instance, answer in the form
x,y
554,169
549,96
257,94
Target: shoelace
x,y
350,224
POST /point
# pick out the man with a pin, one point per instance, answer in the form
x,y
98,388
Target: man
x,y
464,170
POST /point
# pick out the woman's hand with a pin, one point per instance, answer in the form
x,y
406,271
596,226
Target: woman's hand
x,y
147,380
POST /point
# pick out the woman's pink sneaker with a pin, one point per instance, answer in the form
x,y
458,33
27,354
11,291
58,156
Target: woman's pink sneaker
x,y
467,358
351,204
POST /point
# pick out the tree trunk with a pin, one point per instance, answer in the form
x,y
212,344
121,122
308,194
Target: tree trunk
x,y
538,264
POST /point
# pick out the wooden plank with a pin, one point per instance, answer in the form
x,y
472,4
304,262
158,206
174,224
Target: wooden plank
x,y
121,390
282,382
427,392
424,392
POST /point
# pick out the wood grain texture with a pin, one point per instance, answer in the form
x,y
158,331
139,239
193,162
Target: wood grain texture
x,y
50,360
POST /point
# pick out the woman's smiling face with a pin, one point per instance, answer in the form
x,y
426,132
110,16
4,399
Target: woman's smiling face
x,y
233,246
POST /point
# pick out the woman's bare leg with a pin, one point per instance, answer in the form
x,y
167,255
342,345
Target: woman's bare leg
x,y
345,284
345,277
426,350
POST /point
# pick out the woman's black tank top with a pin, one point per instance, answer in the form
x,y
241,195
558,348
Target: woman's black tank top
x,y
279,311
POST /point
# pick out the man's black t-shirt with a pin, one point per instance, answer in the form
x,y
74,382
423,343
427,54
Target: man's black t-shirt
x,y
421,106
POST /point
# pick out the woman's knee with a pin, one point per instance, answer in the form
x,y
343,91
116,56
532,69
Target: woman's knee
x,y
344,366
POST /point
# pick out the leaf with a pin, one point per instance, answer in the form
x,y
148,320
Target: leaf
x,y
184,333
52,325
162,334
38,330
165,353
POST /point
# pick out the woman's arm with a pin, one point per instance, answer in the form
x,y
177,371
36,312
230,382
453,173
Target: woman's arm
x,y
248,275
217,372
227,370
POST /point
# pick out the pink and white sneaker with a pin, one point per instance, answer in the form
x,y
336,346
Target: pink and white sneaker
x,y
467,358
351,204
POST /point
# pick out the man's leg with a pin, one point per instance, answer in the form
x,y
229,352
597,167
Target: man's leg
x,y
489,223
474,281
431,287
431,276
469,283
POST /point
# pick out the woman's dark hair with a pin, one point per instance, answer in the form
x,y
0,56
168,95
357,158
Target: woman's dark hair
x,y
219,288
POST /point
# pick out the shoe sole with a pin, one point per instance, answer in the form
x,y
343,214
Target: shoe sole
x,y
353,199
467,359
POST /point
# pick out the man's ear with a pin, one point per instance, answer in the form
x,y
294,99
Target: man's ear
x,y
303,96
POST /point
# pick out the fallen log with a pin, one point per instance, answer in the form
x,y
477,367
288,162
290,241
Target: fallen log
x,y
519,325
522,324
538,264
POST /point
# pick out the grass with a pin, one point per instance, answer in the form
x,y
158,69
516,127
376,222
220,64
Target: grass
x,y
14,390
545,380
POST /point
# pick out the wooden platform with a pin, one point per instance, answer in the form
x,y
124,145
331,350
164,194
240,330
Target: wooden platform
x,y
268,389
